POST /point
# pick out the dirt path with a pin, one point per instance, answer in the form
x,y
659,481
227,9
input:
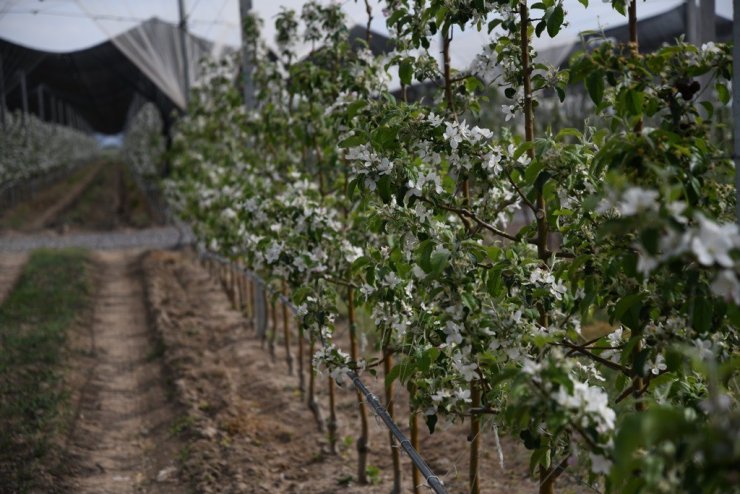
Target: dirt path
x,y
122,436
64,202
11,265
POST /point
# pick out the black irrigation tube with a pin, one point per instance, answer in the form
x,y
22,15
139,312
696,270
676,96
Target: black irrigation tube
x,y
432,480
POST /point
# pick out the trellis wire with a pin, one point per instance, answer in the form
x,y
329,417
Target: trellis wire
x,y
433,482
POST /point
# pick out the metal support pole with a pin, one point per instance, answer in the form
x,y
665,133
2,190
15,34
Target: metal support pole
x,y
700,21
244,7
708,21
736,99
184,50
24,95
53,108
41,102
2,94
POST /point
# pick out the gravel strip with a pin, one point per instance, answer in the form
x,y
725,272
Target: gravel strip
x,y
153,238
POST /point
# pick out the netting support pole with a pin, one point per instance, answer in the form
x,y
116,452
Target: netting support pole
x,y
736,99
244,7
41,102
24,96
2,94
184,52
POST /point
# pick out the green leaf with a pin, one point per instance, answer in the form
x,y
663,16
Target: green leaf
x,y
540,456
555,21
472,84
723,93
595,86
395,17
561,93
531,441
634,101
352,141
351,189
469,301
540,28
393,374
627,309
360,263
702,314
406,72
384,188
385,136
354,107
431,421
569,132
583,2
438,261
495,283
423,253
522,148
493,252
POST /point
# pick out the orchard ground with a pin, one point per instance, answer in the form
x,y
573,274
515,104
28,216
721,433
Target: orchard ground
x,y
158,384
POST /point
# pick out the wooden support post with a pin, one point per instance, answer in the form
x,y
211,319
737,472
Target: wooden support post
x,y
363,442
313,404
474,438
414,430
333,424
387,366
301,373
286,332
273,334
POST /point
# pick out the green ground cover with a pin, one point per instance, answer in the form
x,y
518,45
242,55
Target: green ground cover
x,y
51,295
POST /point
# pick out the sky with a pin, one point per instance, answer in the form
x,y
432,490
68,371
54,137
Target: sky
x,y
68,25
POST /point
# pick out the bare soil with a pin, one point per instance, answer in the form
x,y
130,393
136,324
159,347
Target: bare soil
x,y
247,427
121,441
25,215
99,197
111,201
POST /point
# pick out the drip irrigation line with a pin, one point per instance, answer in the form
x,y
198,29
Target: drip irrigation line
x,y
433,482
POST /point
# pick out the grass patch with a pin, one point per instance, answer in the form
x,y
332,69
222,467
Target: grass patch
x,y
52,291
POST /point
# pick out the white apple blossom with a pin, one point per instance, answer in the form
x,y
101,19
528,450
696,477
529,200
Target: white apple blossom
x,y
590,403
391,279
229,214
273,251
452,330
454,135
713,243
658,365
637,200
705,348
600,464
726,286
434,119
461,362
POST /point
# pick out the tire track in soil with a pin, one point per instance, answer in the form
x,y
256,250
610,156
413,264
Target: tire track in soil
x,y
11,267
121,439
